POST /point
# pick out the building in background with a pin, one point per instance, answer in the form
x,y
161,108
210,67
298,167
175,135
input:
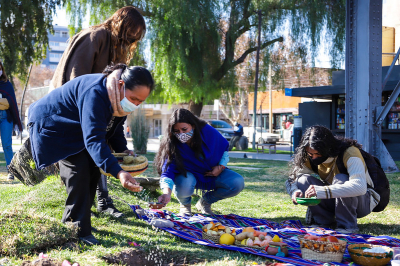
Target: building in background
x,y
57,46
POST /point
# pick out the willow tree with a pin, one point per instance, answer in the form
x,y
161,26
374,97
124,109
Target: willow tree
x,y
193,42
24,25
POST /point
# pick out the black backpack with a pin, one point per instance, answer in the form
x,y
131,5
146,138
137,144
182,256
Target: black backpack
x,y
378,176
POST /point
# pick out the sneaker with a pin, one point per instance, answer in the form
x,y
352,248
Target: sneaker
x,y
10,176
185,210
108,208
347,231
204,207
89,240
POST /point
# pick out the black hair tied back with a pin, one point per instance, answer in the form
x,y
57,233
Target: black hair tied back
x,y
111,68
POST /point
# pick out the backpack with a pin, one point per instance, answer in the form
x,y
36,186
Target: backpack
x,y
378,176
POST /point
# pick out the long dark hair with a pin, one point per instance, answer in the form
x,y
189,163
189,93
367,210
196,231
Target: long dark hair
x,y
125,20
132,76
321,139
168,147
3,76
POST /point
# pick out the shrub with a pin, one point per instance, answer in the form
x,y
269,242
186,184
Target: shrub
x,y
140,131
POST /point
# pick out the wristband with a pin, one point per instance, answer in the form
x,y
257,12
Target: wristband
x,y
223,166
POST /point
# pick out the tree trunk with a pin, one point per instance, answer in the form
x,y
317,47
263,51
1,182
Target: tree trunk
x,y
195,108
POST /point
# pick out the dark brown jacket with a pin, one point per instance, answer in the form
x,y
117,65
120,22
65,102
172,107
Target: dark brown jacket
x,y
88,52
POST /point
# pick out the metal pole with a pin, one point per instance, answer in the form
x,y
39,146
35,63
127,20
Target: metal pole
x,y
256,81
22,100
270,98
261,123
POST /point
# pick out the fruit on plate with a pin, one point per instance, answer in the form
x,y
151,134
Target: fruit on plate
x,y
227,239
248,229
217,229
332,239
245,235
311,237
276,238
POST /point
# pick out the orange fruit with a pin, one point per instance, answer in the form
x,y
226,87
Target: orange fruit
x,y
248,229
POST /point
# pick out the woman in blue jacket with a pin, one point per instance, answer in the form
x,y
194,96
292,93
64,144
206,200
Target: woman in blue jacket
x,y
193,155
9,116
75,125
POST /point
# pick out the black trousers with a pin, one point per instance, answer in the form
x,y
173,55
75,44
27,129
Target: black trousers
x,y
80,176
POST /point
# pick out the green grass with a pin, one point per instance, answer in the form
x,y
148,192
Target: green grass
x,y
36,208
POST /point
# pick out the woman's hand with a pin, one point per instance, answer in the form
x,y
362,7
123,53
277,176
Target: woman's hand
x,y
295,195
310,192
215,171
127,181
166,197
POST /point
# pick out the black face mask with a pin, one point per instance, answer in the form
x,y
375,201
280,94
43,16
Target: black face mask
x,y
319,160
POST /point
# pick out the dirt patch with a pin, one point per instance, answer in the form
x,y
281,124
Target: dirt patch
x,y
42,262
130,257
138,257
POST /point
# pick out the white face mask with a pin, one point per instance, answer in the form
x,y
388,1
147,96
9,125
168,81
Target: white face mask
x,y
1,73
128,106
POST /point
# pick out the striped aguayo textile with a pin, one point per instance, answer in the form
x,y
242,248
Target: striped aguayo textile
x,y
190,229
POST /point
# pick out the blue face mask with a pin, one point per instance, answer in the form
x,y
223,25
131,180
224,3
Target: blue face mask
x,y
126,105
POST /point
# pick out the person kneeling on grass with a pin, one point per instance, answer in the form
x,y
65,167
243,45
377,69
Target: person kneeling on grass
x,y
193,155
74,125
344,197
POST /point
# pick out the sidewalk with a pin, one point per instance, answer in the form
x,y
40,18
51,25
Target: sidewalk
x,y
154,144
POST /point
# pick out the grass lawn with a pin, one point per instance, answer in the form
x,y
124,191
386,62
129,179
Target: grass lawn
x,y
30,219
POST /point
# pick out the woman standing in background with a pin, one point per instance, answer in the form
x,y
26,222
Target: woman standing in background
x,y
9,116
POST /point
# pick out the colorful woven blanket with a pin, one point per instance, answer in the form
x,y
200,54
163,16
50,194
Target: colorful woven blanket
x,y
190,229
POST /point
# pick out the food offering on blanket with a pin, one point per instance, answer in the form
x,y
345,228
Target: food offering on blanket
x,y
277,249
261,240
155,205
215,231
322,248
368,254
227,239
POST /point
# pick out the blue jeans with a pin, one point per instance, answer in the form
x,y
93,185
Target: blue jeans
x,y
227,184
6,136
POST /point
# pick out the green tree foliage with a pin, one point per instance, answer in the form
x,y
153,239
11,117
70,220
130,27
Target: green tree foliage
x,y
24,25
193,42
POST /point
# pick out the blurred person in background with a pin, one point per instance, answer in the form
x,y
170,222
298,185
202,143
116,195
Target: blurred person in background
x,y
9,116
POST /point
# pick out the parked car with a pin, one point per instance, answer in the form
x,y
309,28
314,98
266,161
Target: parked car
x,y
223,127
262,135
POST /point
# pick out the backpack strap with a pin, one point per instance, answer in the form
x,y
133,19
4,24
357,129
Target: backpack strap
x,y
340,164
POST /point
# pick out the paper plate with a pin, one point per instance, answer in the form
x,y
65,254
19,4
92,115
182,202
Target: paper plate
x,y
308,201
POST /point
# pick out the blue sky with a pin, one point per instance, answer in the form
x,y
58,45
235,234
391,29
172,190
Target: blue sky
x,y
61,18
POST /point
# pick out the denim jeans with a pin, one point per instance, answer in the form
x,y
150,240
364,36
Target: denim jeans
x,y
227,184
6,136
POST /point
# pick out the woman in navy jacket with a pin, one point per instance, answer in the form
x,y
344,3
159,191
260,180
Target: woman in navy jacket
x,y
75,125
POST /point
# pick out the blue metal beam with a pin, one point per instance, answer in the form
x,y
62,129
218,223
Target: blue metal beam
x,y
364,76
